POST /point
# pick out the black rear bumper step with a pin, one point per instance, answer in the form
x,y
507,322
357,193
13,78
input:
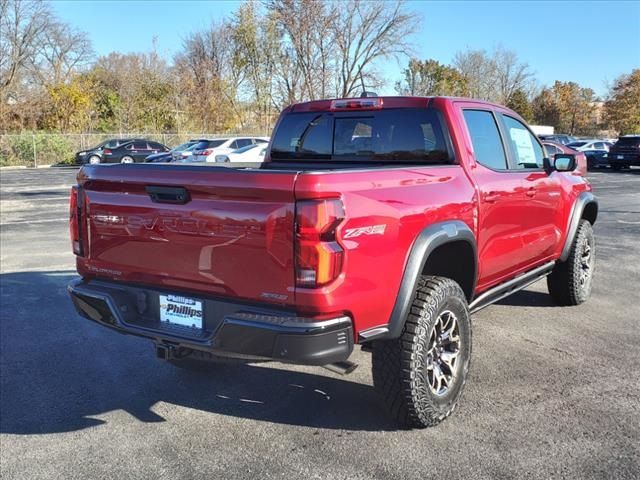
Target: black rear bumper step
x,y
230,328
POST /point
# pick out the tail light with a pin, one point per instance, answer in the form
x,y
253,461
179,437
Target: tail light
x,y
206,152
75,216
319,256
106,151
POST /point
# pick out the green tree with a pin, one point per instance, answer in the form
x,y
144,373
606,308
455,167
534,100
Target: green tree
x,y
519,103
545,108
622,108
430,77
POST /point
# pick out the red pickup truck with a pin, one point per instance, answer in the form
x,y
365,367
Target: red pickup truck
x,y
379,221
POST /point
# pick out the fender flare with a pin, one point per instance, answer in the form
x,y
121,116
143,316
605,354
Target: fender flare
x,y
584,199
427,241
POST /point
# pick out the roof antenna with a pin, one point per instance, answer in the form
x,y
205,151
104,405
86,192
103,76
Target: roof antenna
x,y
364,93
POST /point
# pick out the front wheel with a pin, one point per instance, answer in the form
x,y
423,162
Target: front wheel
x,y
421,375
94,159
570,282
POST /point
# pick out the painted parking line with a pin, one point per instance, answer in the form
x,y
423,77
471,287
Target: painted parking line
x,y
33,222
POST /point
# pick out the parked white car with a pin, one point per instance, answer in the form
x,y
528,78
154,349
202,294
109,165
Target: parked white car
x,y
249,154
590,145
223,146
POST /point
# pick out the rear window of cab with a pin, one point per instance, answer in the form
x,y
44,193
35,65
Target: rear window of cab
x,y
402,135
628,141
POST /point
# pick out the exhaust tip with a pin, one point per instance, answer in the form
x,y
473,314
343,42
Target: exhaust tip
x,y
343,368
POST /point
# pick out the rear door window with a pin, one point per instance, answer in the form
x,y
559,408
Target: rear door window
x,y
525,149
391,135
243,142
485,138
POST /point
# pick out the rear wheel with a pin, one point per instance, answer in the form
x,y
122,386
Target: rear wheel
x,y
126,159
421,375
570,282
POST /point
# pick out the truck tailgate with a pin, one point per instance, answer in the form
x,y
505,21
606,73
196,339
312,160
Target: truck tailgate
x,y
231,235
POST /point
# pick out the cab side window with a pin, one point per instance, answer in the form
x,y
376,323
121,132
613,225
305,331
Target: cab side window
x,y
486,140
526,151
243,142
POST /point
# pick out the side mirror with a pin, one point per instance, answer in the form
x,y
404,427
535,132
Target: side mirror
x,y
564,162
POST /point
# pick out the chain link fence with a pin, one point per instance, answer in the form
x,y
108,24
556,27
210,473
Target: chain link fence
x,y
42,149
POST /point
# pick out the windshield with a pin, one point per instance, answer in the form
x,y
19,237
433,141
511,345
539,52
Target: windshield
x,y
400,135
576,144
203,144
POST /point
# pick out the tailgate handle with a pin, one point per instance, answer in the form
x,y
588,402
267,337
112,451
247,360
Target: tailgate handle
x,y
177,195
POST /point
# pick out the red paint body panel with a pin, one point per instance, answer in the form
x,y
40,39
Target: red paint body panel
x,y
233,238
236,237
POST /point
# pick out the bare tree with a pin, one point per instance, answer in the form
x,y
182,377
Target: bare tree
x,y
63,52
307,35
511,75
495,76
208,81
257,44
478,69
365,32
23,23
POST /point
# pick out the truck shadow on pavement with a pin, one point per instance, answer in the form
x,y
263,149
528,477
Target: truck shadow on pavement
x,y
528,298
61,373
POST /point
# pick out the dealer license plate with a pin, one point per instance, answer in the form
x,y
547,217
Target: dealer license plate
x,y
179,310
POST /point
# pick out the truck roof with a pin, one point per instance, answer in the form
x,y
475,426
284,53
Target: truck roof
x,y
387,102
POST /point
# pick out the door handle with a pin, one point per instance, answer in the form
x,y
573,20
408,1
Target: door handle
x,y
491,197
531,192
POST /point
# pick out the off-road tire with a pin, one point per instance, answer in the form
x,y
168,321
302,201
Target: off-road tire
x,y
567,282
400,373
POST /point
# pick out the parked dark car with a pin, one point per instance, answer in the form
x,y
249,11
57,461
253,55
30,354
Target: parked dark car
x,y
94,155
625,152
175,152
132,152
559,138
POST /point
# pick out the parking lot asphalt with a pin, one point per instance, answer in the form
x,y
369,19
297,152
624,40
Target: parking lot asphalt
x,y
552,392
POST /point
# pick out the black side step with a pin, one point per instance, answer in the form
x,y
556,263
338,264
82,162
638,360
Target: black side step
x,y
505,289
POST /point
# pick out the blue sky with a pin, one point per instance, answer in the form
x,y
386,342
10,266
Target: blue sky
x,y
591,42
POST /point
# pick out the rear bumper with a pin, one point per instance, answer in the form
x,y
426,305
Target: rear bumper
x,y
627,158
230,328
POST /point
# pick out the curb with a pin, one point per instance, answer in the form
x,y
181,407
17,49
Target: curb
x,y
24,167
